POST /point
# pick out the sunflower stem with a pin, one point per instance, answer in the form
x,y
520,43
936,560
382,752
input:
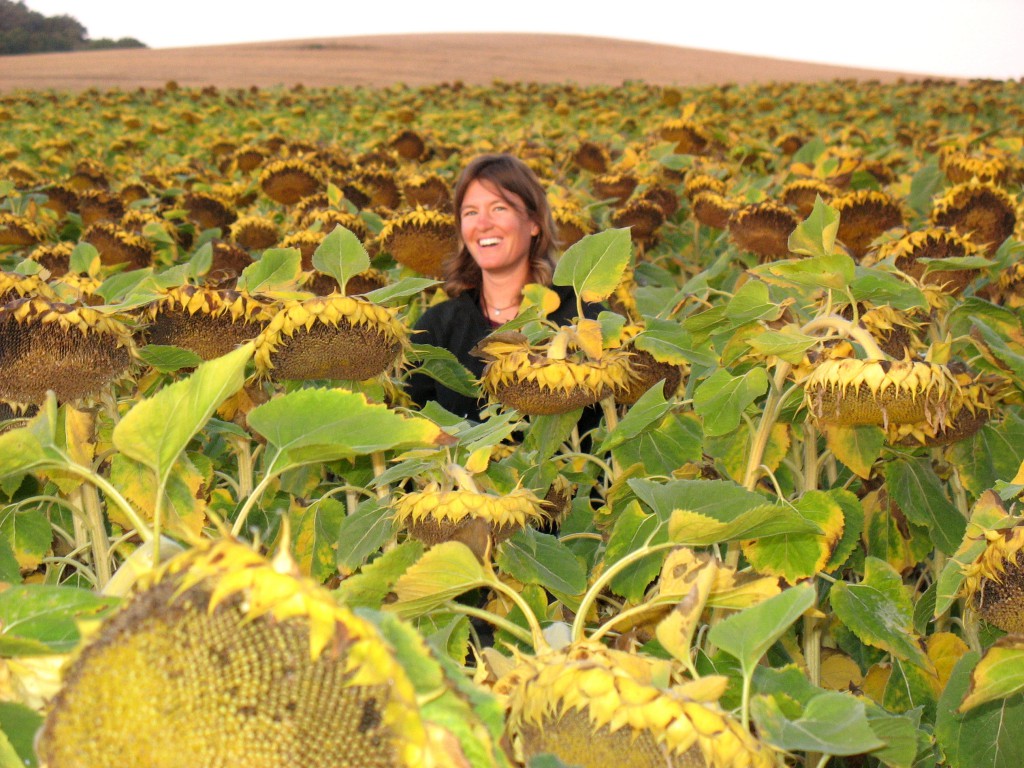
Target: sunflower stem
x,y
498,621
850,330
243,455
250,502
536,633
89,499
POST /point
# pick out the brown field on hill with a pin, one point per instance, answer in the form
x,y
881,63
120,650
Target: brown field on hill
x,y
414,60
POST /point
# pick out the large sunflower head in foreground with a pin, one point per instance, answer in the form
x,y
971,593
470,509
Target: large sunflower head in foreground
x,y
994,582
594,707
330,337
72,349
551,378
227,659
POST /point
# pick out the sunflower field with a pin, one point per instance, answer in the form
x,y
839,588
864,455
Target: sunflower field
x,y
790,536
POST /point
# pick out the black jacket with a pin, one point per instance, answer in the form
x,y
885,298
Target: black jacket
x,y
458,325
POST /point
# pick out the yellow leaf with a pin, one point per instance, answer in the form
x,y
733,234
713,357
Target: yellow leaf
x,y
944,649
535,295
588,338
999,674
693,578
478,460
839,672
875,682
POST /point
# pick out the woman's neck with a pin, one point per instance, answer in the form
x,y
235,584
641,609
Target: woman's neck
x,y
503,291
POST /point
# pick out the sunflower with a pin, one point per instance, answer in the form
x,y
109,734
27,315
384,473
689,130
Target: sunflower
x,y
54,257
690,137
19,230
702,182
409,145
642,218
616,187
288,181
801,194
1008,288
850,392
70,349
896,332
961,166
14,286
89,174
381,186
61,199
207,321
590,156
133,192
549,379
763,229
427,191
330,218
330,337
227,263
571,225
663,197
994,582
978,402
436,514
909,251
116,246
863,216
983,213
421,240
207,211
224,658
713,209
96,205
593,706
255,233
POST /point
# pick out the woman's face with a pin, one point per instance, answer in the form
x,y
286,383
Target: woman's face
x,y
496,228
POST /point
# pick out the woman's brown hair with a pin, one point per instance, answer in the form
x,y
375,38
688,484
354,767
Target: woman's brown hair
x,y
508,175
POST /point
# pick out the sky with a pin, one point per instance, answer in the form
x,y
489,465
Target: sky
x,y
954,38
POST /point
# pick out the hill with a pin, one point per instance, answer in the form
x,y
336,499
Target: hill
x,y
420,59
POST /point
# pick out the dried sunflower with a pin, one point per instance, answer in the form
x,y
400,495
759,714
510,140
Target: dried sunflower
x,y
208,212
549,379
983,213
702,182
421,240
570,224
933,243
960,166
427,191
690,137
763,229
849,392
643,219
894,329
994,582
14,286
207,321
227,263
409,145
592,706
616,187
20,231
801,194
288,181
979,397
71,349
381,186
61,198
663,197
96,205
330,337
117,246
863,216
255,233
590,156
227,659
713,209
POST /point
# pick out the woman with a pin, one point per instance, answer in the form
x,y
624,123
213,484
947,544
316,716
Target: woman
x,y
506,240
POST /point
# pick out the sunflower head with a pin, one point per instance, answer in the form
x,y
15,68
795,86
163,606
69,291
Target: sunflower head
x,y
14,286
988,165
20,231
70,349
763,229
981,212
801,194
254,233
592,706
593,157
690,137
571,225
118,246
642,217
863,216
616,187
330,337
713,209
697,182
994,582
409,145
97,205
229,659
427,191
207,211
422,240
909,251
288,181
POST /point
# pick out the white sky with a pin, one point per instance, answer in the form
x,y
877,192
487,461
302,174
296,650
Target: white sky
x,y
961,38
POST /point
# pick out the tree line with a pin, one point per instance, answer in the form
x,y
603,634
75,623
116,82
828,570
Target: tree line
x,y
23,30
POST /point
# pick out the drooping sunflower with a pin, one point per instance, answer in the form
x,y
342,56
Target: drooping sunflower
x,y
994,582
616,187
863,216
981,212
690,137
77,288
330,337
593,707
249,157
55,257
422,240
713,209
408,144
89,174
663,197
207,321
643,218
382,187
61,198
208,212
895,330
932,243
763,229
988,165
697,182
20,231
288,181
427,191
224,658
72,349
550,378
255,233
591,156
977,404
571,225
96,205
801,194
117,246
14,286
850,392
227,263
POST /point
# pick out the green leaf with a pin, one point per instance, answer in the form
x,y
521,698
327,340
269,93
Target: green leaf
x,y
19,724
650,408
341,255
788,345
594,265
816,235
533,557
858,447
20,451
10,571
879,612
832,272
749,634
316,425
669,341
168,358
315,533
988,514
880,287
402,289
84,259
999,674
156,430
634,530
993,453
442,366
674,442
277,270
832,723
40,619
28,531
910,688
987,735
444,572
721,398
751,303
362,533
913,485
926,183
718,499
371,586
695,529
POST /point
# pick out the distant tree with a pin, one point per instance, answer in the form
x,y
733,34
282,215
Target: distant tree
x,y
26,31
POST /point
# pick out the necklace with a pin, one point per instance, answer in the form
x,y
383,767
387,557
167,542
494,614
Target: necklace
x,y
499,310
